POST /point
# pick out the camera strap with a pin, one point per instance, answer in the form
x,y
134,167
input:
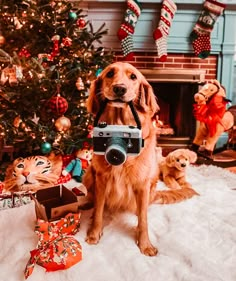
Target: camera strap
x,y
103,106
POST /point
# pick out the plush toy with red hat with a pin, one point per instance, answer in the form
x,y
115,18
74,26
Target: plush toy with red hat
x,y
80,163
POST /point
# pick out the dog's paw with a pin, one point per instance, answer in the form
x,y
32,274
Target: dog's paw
x,y
93,237
147,249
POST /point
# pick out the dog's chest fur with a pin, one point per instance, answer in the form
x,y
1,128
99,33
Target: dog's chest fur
x,y
121,182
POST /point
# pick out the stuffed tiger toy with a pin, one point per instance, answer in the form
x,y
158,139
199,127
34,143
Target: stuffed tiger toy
x,y
33,173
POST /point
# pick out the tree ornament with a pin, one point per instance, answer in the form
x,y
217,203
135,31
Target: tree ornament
x,y
66,42
17,121
98,72
62,124
35,119
79,84
55,40
17,23
81,23
13,74
72,15
2,40
28,75
24,53
58,105
46,147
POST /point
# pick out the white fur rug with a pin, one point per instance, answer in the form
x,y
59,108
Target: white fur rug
x,y
196,239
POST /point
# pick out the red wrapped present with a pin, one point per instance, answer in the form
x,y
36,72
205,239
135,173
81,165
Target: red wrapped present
x,y
56,248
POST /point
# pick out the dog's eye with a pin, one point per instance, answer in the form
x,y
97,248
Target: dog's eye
x,y
133,76
177,159
110,73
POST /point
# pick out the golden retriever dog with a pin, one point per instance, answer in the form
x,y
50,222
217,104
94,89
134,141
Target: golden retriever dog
x,y
173,168
130,186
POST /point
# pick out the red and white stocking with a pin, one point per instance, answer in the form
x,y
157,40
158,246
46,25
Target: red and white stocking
x,y
161,33
126,30
200,36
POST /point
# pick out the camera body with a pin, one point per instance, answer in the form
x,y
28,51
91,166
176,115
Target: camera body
x,y
116,142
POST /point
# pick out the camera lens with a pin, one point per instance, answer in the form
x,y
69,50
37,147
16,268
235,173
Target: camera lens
x,y
115,153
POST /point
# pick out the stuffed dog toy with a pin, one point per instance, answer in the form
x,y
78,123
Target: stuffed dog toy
x,y
173,168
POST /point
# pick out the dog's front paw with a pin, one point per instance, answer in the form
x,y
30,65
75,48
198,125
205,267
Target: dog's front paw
x,y
93,237
148,250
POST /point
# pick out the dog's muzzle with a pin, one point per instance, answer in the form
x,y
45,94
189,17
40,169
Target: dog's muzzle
x,y
119,90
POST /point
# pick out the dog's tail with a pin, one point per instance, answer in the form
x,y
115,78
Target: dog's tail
x,y
173,196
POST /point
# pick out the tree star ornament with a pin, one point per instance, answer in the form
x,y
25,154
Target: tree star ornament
x,y
35,119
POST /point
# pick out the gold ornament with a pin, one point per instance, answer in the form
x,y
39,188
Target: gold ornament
x,y
62,124
17,121
2,40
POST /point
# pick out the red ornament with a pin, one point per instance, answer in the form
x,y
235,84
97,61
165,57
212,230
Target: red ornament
x,y
66,42
24,53
55,40
58,105
81,23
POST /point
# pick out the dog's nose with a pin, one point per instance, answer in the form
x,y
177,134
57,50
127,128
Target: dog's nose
x,y
183,165
119,90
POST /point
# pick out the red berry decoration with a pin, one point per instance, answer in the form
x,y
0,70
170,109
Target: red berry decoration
x,y
81,23
58,105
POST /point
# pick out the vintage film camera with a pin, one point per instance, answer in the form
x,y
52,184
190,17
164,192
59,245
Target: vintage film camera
x,y
116,142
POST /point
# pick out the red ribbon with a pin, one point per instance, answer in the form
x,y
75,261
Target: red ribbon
x,y
211,113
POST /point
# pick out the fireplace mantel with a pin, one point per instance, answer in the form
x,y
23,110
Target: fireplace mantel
x,y
223,37
174,75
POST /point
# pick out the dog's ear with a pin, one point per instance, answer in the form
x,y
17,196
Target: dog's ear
x,y
192,156
147,99
94,92
170,160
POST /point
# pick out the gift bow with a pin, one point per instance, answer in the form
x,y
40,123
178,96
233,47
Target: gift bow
x,y
211,113
56,249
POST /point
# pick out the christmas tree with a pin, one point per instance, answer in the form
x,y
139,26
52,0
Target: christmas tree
x,y
49,54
